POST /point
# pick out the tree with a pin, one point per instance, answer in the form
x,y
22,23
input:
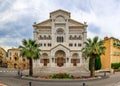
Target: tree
x,y
97,63
30,50
93,48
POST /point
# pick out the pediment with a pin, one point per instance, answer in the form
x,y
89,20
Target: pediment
x,y
60,11
75,23
60,46
44,23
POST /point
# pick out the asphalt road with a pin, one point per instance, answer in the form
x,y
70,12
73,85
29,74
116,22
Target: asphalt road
x,y
11,79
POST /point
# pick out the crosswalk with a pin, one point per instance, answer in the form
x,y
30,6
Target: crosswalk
x,y
8,71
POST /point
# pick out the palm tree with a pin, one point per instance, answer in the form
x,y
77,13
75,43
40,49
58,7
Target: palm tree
x,y
30,50
92,49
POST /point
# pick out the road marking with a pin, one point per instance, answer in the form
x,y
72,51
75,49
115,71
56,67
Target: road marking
x,y
8,71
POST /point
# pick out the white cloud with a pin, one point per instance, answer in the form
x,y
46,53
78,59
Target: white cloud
x,y
103,14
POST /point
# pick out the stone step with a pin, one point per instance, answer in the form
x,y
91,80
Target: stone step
x,y
60,69
52,70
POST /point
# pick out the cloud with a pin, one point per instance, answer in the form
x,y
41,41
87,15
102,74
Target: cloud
x,y
18,16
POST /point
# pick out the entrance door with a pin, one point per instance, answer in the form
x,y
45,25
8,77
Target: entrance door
x,y
15,65
60,62
45,62
74,62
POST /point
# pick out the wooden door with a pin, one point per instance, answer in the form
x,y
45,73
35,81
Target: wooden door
x,y
60,62
45,62
74,62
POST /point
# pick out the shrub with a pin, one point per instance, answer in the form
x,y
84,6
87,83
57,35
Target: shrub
x,y
62,76
115,65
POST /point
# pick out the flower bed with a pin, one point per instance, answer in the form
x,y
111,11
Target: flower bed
x,y
62,76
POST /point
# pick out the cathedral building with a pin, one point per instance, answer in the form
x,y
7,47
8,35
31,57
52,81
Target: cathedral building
x,y
60,39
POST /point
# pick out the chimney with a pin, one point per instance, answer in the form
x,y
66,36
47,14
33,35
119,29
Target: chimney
x,y
106,38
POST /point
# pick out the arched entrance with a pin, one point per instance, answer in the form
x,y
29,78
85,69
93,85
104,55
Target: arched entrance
x,y
15,65
75,59
60,58
45,59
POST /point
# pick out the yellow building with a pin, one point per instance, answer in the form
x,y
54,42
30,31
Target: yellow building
x,y
112,53
15,60
2,56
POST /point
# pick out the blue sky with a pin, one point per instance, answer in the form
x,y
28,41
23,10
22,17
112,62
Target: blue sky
x,y
18,16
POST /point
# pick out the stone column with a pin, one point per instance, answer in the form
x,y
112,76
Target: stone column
x,y
50,61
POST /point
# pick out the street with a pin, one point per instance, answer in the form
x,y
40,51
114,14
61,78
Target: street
x,y
12,79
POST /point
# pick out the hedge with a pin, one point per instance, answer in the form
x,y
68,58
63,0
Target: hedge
x,y
115,65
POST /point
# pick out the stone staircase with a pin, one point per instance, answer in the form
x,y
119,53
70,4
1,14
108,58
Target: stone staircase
x,y
53,70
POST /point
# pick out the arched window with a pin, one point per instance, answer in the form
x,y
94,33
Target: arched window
x,y
75,44
75,37
70,37
49,37
60,35
45,37
80,38
60,31
79,44
40,37
70,44
60,39
44,44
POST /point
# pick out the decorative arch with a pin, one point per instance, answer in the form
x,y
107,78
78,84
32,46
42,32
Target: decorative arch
x,y
60,58
44,55
60,53
60,47
75,55
60,31
45,59
75,59
60,19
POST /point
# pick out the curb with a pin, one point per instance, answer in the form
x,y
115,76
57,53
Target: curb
x,y
63,80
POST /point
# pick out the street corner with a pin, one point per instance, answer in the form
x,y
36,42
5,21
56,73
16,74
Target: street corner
x,y
1,84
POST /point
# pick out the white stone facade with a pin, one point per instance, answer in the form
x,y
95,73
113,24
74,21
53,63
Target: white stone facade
x,y
60,39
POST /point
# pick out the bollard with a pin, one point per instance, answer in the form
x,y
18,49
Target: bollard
x,y
30,83
83,84
105,73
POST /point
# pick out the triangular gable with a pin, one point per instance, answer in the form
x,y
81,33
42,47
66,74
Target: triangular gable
x,y
60,11
60,45
75,23
44,23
